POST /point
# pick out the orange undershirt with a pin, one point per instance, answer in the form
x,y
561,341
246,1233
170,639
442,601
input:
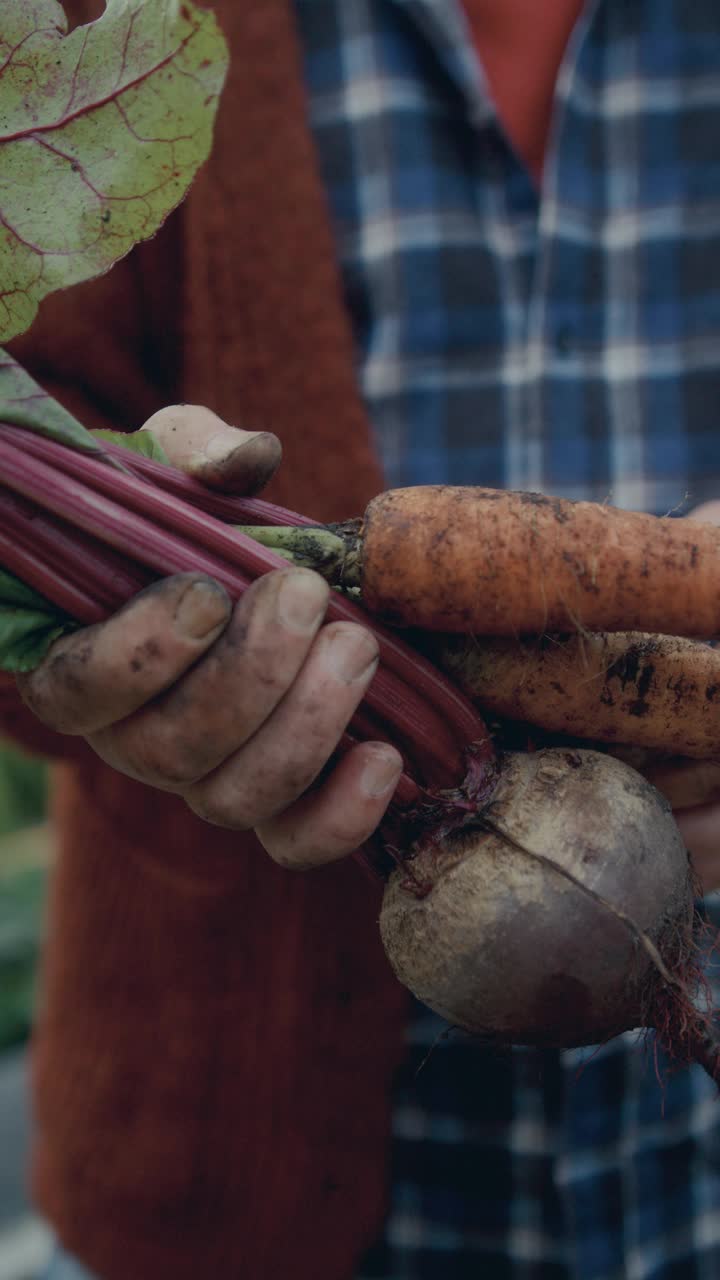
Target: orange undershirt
x,y
521,44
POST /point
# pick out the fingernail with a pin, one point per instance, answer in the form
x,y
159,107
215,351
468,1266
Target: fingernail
x,y
352,654
302,601
224,443
202,608
381,773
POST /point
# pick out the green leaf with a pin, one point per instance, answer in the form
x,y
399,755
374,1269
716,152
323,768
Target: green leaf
x,y
28,625
101,134
24,404
142,442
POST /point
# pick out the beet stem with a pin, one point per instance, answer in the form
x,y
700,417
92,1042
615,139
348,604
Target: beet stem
x,y
399,658
124,510
124,526
224,506
94,568
54,586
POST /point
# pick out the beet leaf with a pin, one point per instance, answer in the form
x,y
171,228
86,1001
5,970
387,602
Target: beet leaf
x,y
23,403
101,133
142,443
28,625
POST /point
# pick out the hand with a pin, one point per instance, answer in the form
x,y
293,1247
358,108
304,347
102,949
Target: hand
x,y
693,787
235,708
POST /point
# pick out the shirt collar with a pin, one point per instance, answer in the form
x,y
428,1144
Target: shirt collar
x,y
444,27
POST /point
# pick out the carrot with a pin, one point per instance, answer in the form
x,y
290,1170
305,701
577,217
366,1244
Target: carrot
x,y
491,563
648,690
494,563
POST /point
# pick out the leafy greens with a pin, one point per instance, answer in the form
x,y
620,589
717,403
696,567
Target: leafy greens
x,y
101,134
108,124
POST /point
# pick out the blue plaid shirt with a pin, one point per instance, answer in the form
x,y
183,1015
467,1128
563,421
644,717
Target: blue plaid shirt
x,y
566,340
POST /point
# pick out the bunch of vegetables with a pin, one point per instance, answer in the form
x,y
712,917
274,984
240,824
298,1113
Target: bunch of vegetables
x,y
537,897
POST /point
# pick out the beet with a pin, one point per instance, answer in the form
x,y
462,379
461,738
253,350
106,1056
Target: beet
x,y
561,916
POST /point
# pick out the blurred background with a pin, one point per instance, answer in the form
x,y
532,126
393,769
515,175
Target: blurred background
x,y
25,857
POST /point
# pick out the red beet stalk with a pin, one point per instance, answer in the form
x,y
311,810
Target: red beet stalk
x,y
223,506
94,568
160,544
105,516
230,545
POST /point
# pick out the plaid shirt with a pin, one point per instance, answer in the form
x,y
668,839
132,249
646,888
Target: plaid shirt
x,y
567,341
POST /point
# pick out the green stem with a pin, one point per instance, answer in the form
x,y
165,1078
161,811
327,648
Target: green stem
x,y
334,555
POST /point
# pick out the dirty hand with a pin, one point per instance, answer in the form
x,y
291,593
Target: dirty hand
x,y
693,787
235,708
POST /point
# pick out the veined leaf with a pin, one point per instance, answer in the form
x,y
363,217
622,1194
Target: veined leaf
x,y
101,134
28,625
24,404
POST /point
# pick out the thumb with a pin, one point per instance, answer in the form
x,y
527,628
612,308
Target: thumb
x,y
222,457
707,511
685,783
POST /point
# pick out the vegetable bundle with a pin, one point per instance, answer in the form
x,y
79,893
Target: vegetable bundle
x,y
540,898
563,854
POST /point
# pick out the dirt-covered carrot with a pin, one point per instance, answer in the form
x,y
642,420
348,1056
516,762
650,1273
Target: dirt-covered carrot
x,y
521,564
495,563
649,690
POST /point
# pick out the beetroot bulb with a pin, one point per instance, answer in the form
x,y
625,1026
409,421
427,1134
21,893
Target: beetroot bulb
x,y
562,915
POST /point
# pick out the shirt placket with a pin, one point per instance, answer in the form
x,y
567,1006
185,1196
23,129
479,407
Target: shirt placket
x,y
554,349
507,204
521,224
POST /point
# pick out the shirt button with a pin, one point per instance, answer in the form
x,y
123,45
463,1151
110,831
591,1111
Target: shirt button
x,y
564,340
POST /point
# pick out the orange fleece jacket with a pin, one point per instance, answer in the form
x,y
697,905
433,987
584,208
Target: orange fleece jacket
x,y
213,1059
